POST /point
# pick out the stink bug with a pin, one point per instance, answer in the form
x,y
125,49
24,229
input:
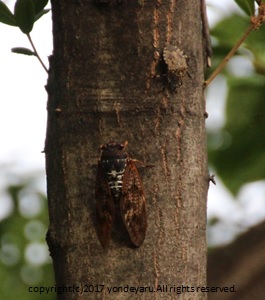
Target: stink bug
x,y
176,63
119,193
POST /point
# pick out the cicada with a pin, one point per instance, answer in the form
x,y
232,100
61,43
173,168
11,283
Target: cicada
x,y
119,192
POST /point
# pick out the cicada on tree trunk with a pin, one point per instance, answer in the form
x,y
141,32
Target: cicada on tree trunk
x,y
119,193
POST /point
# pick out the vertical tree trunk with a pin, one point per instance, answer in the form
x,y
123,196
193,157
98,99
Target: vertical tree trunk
x,y
108,82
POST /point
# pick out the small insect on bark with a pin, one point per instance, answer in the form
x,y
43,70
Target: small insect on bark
x,y
119,191
176,63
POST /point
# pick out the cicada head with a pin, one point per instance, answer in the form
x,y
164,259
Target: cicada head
x,y
113,150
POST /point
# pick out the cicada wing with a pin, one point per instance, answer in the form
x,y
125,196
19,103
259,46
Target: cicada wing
x,y
133,204
104,208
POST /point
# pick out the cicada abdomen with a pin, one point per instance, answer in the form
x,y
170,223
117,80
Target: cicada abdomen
x,y
119,191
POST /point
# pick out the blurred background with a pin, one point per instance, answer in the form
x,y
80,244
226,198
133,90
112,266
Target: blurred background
x,y
236,108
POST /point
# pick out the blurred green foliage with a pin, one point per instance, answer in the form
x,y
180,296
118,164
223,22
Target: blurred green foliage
x,y
238,159
24,256
240,156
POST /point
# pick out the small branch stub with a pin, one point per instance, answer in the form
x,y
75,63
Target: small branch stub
x,y
212,179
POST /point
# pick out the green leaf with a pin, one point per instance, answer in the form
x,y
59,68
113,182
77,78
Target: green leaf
x,y
41,13
21,50
39,5
240,155
229,30
6,15
247,6
24,15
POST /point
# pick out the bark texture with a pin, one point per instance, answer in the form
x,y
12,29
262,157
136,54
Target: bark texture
x,y
107,82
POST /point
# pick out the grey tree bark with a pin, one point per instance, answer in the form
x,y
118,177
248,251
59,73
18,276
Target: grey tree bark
x,y
108,81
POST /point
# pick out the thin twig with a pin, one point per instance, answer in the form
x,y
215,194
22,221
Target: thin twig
x,y
228,56
256,22
36,53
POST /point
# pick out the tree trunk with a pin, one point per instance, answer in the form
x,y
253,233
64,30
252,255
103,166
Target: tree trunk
x,y
108,81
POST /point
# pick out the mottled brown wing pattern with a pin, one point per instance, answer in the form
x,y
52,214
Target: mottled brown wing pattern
x,y
133,207
105,209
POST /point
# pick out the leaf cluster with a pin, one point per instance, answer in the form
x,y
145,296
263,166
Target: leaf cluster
x,y
26,13
239,158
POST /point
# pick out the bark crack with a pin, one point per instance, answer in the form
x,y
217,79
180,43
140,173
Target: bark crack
x,y
159,226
